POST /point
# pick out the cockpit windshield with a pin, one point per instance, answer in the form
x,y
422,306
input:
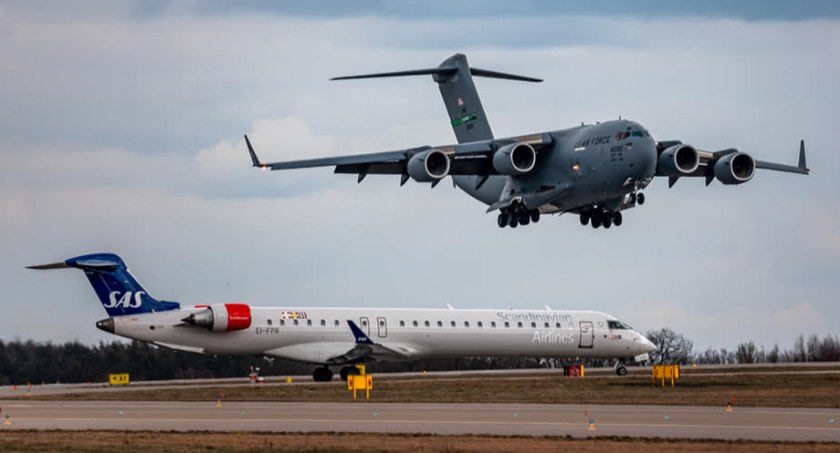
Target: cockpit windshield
x,y
618,325
619,136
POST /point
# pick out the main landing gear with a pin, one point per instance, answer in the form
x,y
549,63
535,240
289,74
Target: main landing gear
x,y
324,374
601,217
517,214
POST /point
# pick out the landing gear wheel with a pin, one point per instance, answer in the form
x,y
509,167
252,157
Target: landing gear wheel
x,y
621,370
606,219
524,217
535,215
640,198
633,198
348,371
617,218
502,220
514,222
596,220
584,218
322,374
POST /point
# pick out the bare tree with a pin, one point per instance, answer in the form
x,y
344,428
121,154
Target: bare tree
x,y
671,347
746,353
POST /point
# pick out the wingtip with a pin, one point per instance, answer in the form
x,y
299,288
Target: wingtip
x,y
802,162
254,159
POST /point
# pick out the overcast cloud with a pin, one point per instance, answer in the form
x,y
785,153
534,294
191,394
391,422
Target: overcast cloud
x,y
121,126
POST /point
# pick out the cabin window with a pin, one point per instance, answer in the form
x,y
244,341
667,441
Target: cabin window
x,y
296,322
466,323
493,324
519,324
268,322
402,323
557,325
427,323
453,324
440,323
324,322
546,325
414,323
533,325
507,324
478,324
337,324
308,322
364,322
282,322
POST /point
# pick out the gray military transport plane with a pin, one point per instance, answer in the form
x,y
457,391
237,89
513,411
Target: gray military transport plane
x,y
593,170
345,336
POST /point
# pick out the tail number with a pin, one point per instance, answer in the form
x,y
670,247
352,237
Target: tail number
x,y
127,300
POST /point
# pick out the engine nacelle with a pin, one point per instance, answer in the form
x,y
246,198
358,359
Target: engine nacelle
x,y
428,166
678,160
735,168
222,317
515,159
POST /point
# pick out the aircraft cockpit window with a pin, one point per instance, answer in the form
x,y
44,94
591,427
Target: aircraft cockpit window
x,y
637,134
617,325
619,136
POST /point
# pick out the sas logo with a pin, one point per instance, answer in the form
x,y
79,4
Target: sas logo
x,y
127,300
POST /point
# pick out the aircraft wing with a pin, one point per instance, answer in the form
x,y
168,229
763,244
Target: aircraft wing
x,y
367,349
473,158
708,159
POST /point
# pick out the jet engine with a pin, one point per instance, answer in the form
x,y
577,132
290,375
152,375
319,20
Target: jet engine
x,y
735,168
515,159
428,166
678,160
222,317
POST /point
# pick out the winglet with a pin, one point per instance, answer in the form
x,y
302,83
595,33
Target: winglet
x,y
361,337
802,164
254,159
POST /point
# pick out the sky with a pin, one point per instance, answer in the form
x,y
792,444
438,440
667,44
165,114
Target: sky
x,y
121,131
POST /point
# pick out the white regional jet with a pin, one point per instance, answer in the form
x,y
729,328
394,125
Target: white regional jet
x,y
346,336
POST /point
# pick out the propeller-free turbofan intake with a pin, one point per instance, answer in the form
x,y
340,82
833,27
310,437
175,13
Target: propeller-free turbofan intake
x,y
735,168
222,317
428,166
678,160
515,159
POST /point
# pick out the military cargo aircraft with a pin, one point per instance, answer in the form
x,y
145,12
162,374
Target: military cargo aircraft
x,y
331,337
593,170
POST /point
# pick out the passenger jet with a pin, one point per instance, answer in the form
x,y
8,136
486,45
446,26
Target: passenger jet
x,y
341,337
595,171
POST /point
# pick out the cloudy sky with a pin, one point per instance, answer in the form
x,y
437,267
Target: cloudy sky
x,y
121,126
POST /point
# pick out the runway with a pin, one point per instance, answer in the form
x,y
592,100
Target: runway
x,y
774,424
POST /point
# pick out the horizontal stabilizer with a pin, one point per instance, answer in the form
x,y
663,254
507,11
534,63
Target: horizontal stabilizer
x,y
43,267
442,70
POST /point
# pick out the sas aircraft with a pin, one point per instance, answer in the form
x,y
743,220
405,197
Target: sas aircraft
x,y
341,337
595,171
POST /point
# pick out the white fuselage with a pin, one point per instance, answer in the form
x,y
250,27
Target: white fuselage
x,y
316,335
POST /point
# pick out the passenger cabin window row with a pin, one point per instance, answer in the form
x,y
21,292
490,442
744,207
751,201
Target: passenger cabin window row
x,y
402,323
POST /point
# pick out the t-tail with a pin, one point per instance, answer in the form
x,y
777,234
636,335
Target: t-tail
x,y
120,293
454,78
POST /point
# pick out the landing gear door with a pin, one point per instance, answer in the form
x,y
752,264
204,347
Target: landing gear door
x,y
364,324
381,327
587,334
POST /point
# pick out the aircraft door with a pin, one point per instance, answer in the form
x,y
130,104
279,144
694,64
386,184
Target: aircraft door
x,y
381,327
587,334
364,324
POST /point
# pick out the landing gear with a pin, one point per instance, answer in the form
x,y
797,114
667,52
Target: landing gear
x,y
600,217
348,371
322,374
584,218
517,214
640,198
617,218
621,370
596,220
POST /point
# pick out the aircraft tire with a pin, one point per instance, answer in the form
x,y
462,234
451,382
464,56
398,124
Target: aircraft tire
x,y
514,222
524,217
584,218
621,370
322,374
633,198
606,220
535,215
640,198
617,218
596,220
503,220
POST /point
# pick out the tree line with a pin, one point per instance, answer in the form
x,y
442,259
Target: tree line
x,y
22,362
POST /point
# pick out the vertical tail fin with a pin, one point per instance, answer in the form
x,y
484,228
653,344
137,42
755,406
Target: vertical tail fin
x,y
119,292
454,78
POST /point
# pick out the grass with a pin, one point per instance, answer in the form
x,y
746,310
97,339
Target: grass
x,y
145,441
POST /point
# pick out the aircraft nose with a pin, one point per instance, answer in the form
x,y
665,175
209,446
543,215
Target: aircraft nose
x,y
647,345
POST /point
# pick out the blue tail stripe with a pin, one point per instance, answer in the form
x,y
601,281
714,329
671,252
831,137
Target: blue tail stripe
x,y
361,337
